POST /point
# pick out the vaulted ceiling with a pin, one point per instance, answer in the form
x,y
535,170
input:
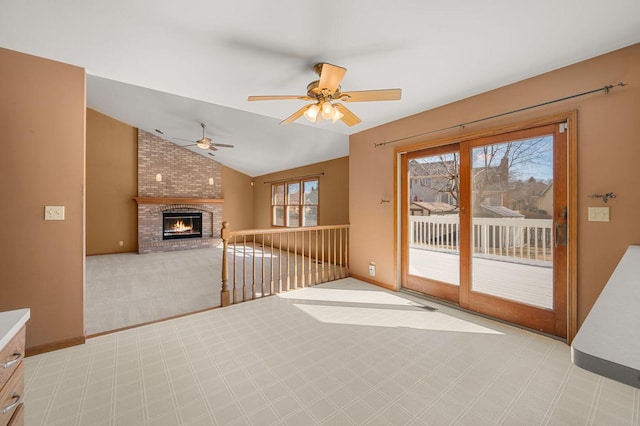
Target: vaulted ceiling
x,y
166,65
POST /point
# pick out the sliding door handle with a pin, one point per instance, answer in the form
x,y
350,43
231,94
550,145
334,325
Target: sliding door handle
x,y
560,234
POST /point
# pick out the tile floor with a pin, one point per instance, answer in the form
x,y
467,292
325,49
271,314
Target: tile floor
x,y
337,354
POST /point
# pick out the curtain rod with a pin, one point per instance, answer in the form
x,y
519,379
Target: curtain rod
x,y
462,125
295,178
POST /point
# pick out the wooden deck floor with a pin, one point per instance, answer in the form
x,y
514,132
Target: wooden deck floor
x,y
528,284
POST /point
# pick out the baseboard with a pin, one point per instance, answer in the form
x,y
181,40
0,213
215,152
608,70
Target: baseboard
x,y
374,282
112,252
49,347
129,327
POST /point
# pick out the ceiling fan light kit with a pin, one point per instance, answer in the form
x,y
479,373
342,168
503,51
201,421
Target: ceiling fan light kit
x,y
337,115
326,111
203,143
327,89
311,113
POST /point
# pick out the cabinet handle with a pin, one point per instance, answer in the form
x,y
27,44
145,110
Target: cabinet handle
x,y
9,407
17,356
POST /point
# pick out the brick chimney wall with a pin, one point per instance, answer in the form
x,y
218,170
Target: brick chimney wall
x,y
184,175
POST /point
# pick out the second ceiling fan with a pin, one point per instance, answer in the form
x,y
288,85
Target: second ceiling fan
x,y
204,142
327,89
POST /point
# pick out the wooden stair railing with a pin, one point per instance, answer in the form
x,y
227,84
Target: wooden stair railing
x,y
269,261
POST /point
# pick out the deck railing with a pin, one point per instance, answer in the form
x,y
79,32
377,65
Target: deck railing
x,y
263,262
515,240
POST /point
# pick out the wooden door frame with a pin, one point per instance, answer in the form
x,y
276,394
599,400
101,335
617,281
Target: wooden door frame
x,y
571,118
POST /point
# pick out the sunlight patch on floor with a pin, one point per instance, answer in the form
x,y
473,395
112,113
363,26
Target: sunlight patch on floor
x,y
351,302
375,317
344,295
248,251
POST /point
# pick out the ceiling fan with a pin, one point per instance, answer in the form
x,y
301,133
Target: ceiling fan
x,y
327,89
204,143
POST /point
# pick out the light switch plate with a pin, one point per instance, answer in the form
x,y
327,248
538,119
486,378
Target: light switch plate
x,y
53,212
598,214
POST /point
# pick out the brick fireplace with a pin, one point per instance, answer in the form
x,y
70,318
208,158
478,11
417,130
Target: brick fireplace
x,y
174,181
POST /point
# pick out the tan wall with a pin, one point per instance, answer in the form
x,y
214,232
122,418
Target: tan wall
x,y
333,192
42,117
111,185
237,192
608,154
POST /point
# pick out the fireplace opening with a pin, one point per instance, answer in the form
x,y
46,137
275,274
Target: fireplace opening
x,y
181,225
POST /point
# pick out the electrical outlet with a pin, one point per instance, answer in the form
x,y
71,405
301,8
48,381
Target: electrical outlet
x,y
598,214
121,243
53,212
372,269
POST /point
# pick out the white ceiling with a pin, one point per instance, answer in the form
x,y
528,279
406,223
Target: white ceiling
x,y
159,64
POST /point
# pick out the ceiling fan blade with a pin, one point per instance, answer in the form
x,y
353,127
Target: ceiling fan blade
x,y
371,95
330,77
212,148
222,145
293,117
349,118
279,98
186,140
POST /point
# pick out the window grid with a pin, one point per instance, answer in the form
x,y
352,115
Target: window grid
x,y
295,203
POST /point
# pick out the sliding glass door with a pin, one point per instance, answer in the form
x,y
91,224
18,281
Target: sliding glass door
x,y
484,225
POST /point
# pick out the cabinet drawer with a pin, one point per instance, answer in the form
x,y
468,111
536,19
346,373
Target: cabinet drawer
x,y
18,416
11,355
11,395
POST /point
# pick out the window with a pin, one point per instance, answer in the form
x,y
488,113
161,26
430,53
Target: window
x,y
294,203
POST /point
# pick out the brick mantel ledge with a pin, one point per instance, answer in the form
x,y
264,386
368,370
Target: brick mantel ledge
x,y
159,200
